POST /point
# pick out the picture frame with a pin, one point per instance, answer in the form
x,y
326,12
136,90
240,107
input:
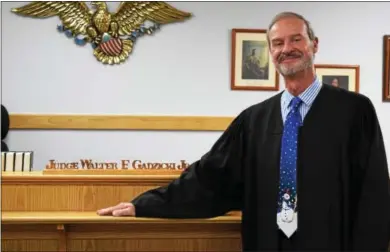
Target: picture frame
x,y
251,64
386,68
343,76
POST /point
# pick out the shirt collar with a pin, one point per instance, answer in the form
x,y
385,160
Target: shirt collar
x,y
307,97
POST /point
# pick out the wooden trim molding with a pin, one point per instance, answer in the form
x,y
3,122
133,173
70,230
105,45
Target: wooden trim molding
x,y
118,122
55,217
38,177
386,68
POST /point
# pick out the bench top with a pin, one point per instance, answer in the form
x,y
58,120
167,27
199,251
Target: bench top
x,y
57,217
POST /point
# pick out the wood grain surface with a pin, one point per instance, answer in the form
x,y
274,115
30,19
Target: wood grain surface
x,y
118,122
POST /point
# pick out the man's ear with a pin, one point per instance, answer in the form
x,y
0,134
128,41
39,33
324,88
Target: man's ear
x,y
315,45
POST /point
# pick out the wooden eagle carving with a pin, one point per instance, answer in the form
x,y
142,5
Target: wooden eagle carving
x,y
112,35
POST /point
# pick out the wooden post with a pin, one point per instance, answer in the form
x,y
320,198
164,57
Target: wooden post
x,y
62,241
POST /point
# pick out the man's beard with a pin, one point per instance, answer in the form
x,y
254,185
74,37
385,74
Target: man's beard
x,y
296,67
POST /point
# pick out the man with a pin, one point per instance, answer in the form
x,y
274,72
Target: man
x,y
335,82
252,68
307,167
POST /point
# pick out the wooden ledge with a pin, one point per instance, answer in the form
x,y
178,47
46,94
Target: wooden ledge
x,y
37,177
92,217
118,122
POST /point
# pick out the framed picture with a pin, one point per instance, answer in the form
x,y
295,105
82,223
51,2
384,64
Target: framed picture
x,y
342,76
386,68
251,64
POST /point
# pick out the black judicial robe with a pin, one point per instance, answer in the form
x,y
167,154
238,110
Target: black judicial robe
x,y
343,179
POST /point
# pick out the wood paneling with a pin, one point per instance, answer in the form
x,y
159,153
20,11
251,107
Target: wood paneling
x,y
29,245
118,122
123,236
22,237
386,68
37,192
44,177
66,217
58,213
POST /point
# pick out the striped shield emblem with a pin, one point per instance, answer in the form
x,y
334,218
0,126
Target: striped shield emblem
x,y
113,47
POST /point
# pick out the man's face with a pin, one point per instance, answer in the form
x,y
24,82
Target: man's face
x,y
335,82
290,47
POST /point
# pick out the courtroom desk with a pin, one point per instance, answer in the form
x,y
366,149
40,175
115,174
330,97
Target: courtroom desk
x,y
86,231
35,191
43,212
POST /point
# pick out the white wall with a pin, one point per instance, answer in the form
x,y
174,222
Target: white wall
x,y
183,69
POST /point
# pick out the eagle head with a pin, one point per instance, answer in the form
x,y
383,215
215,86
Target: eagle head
x,y
99,5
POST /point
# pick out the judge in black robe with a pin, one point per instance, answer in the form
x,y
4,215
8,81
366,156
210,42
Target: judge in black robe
x,y
342,175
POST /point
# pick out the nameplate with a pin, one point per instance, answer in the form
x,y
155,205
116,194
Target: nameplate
x,y
124,166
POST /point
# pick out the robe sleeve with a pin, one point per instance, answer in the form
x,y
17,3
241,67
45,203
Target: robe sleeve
x,y
209,187
371,219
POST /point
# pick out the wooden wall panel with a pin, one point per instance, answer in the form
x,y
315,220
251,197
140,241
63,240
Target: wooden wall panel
x,y
34,238
96,233
28,245
163,245
155,237
62,197
37,192
58,213
118,122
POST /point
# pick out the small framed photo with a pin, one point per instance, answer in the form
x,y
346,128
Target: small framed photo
x,y
251,63
386,68
342,76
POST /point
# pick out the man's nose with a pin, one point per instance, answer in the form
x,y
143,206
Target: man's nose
x,y
287,47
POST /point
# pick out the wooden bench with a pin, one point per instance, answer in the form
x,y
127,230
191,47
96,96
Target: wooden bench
x,y
58,213
86,231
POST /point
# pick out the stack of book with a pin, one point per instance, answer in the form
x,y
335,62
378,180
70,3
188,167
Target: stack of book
x,y
16,161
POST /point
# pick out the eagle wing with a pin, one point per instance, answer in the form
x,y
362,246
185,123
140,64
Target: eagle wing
x,y
131,15
75,16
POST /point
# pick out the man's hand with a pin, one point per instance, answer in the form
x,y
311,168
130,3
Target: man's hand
x,y
122,209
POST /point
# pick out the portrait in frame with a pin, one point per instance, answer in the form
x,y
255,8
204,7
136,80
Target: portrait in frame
x,y
342,76
251,63
386,68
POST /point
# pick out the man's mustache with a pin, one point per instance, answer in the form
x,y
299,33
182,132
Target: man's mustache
x,y
292,54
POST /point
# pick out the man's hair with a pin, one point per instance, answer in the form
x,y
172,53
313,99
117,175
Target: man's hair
x,y
287,14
